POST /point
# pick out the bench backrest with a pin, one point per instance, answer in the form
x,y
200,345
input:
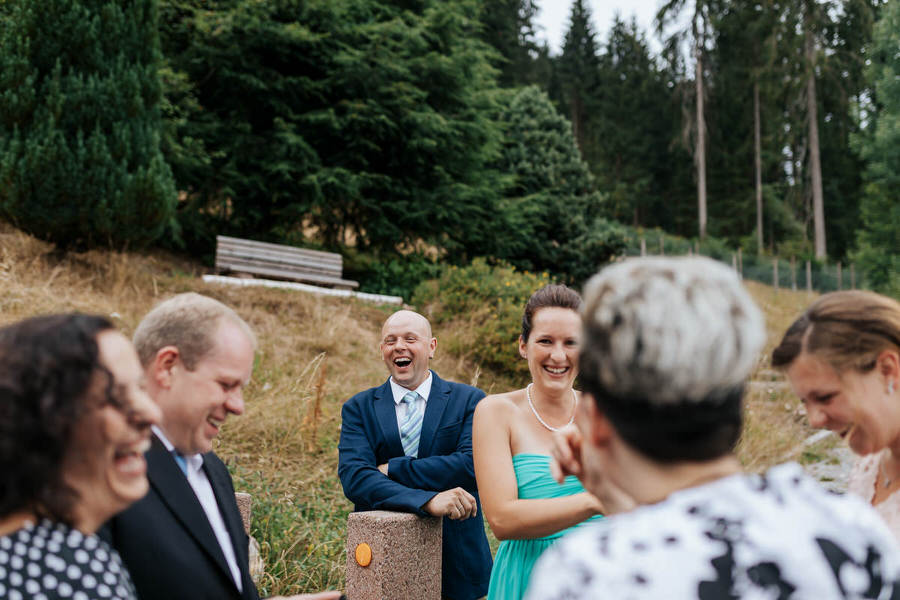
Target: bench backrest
x,y
234,253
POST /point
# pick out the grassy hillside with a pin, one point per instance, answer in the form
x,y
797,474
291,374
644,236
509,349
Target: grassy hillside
x,y
314,353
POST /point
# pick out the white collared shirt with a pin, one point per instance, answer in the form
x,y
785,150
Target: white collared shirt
x,y
196,476
399,391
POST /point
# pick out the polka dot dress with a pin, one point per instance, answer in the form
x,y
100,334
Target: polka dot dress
x,y
51,561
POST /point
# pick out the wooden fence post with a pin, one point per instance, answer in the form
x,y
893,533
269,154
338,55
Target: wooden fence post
x,y
741,262
794,273
734,261
643,247
840,279
662,246
852,276
775,273
808,277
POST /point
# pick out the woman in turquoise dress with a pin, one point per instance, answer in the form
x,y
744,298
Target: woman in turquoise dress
x,y
512,438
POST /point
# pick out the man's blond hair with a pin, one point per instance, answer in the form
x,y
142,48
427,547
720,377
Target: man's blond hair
x,y
187,321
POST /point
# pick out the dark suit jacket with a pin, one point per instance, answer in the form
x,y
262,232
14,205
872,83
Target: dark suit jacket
x,y
370,436
167,542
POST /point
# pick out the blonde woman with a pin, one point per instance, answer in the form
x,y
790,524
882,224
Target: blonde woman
x,y
512,438
842,357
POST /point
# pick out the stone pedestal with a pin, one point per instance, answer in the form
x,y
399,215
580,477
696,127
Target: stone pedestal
x,y
257,566
244,502
403,556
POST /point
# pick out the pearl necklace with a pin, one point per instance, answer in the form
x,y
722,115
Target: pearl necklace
x,y
538,417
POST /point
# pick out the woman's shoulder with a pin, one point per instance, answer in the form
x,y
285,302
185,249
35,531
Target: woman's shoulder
x,y
503,401
499,406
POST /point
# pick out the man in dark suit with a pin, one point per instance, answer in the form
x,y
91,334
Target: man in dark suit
x,y
185,538
406,445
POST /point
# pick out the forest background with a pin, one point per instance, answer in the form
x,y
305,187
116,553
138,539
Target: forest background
x,y
410,135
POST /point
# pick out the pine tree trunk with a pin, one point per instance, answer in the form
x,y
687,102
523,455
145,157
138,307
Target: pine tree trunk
x,y
576,121
700,156
757,159
815,164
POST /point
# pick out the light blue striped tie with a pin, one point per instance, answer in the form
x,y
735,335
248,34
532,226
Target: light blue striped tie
x,y
412,425
182,462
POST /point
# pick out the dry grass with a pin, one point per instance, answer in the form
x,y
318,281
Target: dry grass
x,y
774,428
314,354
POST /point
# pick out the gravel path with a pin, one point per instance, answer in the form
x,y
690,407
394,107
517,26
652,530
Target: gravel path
x,y
833,470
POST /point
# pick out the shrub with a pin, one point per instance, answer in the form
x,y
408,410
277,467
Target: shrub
x,y
80,163
480,310
397,276
589,252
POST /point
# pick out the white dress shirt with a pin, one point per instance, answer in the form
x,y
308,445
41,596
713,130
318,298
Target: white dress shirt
x,y
196,476
399,391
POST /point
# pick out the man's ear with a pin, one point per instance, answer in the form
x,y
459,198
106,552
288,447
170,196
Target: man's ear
x,y
599,429
163,366
432,346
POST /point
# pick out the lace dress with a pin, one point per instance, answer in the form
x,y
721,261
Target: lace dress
x,y
862,484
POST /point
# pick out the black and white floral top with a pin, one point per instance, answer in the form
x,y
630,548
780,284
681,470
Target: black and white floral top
x,y
51,561
777,536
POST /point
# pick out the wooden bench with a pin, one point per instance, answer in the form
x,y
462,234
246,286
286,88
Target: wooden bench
x,y
279,261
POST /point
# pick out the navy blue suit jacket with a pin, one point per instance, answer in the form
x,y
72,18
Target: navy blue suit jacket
x,y
370,436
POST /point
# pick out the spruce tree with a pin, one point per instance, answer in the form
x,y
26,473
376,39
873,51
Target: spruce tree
x,y
338,123
698,33
508,26
553,216
879,244
578,71
80,163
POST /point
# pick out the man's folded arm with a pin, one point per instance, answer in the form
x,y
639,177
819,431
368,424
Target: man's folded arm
x,y
363,483
442,472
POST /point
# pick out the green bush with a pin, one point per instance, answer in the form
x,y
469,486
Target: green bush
x,y
397,276
592,250
480,310
80,160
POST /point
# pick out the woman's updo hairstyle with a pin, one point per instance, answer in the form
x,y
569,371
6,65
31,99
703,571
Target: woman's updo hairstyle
x,y
550,296
847,329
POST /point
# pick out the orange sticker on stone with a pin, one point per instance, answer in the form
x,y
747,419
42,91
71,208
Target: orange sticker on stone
x,y
363,554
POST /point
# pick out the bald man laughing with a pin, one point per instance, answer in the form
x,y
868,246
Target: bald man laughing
x,y
406,445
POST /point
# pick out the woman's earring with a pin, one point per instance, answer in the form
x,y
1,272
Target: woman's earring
x,y
890,387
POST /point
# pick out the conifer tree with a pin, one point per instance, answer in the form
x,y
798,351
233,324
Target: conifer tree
x,y
80,163
578,70
699,34
553,216
632,128
343,122
508,26
879,242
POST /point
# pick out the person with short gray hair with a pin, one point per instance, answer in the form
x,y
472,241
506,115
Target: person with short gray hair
x,y
668,344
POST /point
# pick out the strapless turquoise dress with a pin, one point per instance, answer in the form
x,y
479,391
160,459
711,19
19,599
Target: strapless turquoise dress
x,y
516,558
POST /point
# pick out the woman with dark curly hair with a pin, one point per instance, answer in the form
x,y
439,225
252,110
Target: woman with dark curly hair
x,y
74,425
